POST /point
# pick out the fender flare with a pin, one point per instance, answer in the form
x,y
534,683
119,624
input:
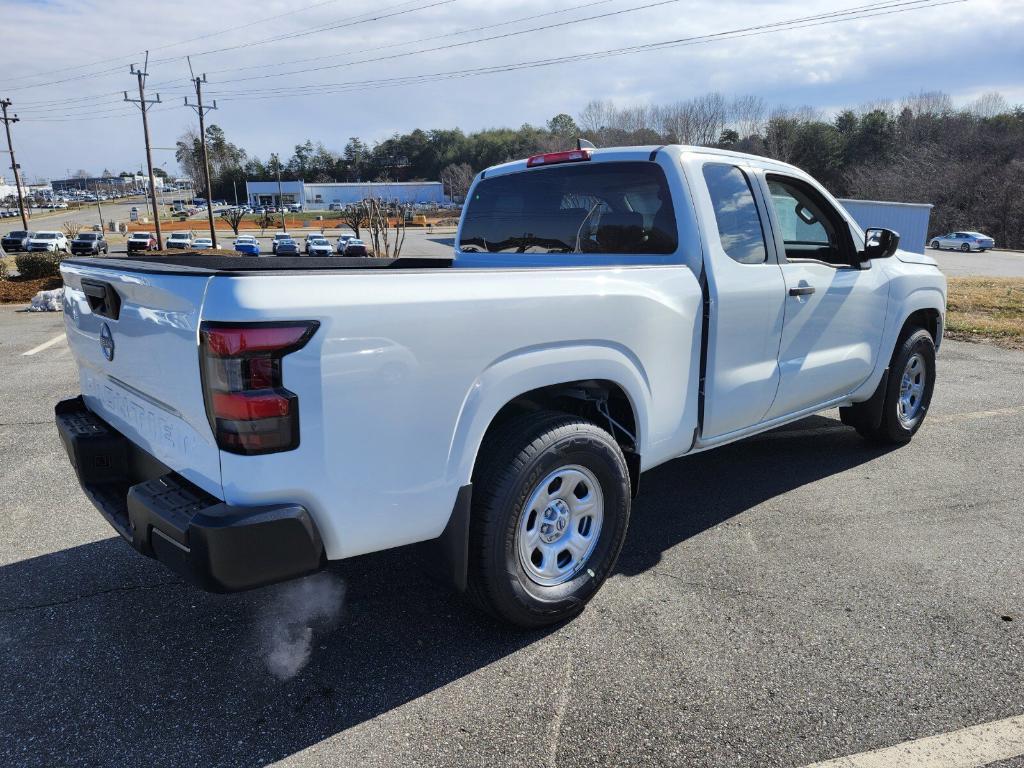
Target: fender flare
x,y
525,370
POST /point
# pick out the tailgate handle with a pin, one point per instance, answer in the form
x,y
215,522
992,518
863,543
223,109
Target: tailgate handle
x,y
103,299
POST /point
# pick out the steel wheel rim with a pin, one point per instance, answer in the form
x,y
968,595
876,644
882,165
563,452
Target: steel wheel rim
x,y
910,405
560,525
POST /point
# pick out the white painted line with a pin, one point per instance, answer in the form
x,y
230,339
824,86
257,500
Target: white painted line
x,y
44,345
970,747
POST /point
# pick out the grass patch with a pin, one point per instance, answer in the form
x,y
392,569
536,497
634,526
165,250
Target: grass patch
x,y
986,309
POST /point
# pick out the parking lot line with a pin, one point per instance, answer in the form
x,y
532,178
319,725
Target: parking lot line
x,y
970,747
45,345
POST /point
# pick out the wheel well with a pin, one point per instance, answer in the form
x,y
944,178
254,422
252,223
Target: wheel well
x,y
603,402
929,319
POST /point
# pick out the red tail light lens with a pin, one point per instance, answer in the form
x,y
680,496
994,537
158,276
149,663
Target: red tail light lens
x,y
249,409
551,158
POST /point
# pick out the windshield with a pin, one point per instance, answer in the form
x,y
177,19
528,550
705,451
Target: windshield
x,y
139,236
621,207
20,233
318,239
46,236
87,236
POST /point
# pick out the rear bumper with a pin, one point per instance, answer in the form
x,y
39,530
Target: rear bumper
x,y
216,546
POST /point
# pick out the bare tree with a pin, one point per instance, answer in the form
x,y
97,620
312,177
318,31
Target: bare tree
x,y
456,178
747,113
71,228
233,216
354,217
386,245
989,105
594,116
266,219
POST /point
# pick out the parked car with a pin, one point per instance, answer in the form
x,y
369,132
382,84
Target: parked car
x,y
49,241
181,240
202,243
963,241
141,241
503,411
342,242
335,207
317,245
91,243
355,247
287,247
295,208
248,245
16,241
278,237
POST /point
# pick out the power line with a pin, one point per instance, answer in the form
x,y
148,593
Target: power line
x,y
862,12
235,28
441,36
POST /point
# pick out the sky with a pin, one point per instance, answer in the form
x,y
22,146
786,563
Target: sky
x,y
65,63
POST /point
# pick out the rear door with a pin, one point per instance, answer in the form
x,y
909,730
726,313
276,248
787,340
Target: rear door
x,y
134,336
747,298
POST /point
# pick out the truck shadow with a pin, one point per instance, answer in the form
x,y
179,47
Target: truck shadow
x,y
108,659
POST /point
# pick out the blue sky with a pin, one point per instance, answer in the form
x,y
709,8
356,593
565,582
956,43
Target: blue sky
x,y
963,48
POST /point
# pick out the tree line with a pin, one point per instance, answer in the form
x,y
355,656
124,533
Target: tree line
x,y
967,161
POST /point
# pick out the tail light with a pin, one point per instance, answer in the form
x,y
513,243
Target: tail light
x,y
249,410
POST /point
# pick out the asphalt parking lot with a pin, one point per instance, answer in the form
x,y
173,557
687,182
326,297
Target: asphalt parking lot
x,y
793,598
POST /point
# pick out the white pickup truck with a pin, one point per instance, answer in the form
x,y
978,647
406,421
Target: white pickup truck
x,y
247,420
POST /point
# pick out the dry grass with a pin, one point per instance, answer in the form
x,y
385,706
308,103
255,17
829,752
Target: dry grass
x,y
17,290
986,309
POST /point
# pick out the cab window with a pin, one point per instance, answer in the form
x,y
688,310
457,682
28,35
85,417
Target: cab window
x,y
739,223
811,228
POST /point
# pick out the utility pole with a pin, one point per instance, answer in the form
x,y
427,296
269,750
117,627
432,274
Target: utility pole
x,y
201,111
144,106
280,201
4,104
234,187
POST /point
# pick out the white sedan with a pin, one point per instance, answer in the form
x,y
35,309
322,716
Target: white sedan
x,y
202,243
963,241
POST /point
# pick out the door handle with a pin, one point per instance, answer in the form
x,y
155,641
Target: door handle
x,y
803,290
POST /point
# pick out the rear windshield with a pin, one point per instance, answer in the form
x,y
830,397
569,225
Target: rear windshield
x,y
621,207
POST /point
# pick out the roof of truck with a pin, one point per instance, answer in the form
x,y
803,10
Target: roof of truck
x,y
647,152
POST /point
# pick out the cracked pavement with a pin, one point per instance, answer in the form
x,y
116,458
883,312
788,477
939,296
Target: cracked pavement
x,y
792,598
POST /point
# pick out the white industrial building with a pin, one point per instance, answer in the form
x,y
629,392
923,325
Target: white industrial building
x,y
909,219
320,196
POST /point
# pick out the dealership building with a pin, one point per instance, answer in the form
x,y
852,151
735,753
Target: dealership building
x,y
321,196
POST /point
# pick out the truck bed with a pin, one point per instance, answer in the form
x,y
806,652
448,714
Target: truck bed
x,y
194,263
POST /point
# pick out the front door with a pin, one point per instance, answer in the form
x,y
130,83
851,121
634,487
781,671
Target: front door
x,y
835,306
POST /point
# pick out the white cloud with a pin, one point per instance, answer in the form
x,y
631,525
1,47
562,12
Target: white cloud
x,y
825,66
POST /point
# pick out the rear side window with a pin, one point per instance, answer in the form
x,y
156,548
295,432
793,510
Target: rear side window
x,y
739,223
620,207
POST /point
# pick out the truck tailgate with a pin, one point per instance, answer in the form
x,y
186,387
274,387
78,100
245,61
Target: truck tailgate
x,y
135,338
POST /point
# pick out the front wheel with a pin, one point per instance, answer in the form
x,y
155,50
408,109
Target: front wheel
x,y
965,248
908,392
551,503
935,245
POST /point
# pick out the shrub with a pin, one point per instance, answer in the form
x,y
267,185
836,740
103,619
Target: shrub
x,y
38,264
3,269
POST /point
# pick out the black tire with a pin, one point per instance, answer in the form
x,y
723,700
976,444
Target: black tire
x,y
893,430
965,248
514,459
936,245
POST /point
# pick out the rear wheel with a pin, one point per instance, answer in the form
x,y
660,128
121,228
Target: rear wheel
x,y
551,501
908,392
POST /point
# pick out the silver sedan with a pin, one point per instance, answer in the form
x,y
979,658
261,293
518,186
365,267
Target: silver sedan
x,y
963,241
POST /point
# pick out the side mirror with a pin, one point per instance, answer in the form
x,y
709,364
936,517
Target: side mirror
x,y
880,243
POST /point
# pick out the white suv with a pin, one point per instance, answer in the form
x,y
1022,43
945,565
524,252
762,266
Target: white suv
x,y
48,241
